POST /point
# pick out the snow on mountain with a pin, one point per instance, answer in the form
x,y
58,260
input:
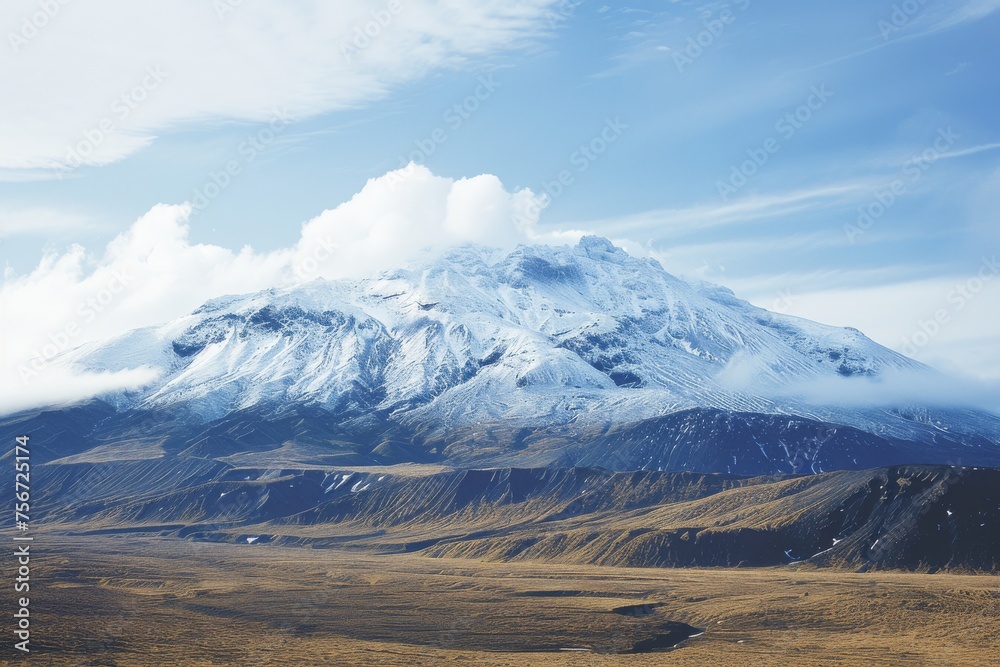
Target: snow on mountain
x,y
538,335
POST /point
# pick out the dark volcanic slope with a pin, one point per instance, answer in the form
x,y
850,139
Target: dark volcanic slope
x,y
909,517
701,439
902,517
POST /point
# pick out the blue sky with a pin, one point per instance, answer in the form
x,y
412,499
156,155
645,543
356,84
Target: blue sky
x,y
884,107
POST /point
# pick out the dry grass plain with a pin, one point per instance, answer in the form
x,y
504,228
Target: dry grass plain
x,y
125,600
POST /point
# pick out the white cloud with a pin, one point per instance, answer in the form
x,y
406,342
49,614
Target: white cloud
x,y
407,210
894,388
93,82
152,273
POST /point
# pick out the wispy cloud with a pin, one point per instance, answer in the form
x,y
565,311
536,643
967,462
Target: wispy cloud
x,y
837,286
235,62
949,16
33,175
926,23
970,151
41,221
746,209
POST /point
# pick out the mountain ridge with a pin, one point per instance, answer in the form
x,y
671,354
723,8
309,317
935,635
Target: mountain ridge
x,y
897,517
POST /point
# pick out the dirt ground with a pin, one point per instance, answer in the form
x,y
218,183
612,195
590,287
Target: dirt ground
x,y
117,600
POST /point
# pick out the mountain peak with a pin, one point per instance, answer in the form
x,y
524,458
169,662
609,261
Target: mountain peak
x,y
592,243
546,335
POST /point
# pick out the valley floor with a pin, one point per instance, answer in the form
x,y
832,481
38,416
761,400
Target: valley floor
x,y
126,600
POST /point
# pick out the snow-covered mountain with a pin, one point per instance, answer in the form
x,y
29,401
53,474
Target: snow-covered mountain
x,y
558,338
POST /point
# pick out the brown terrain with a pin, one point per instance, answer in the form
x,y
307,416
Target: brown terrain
x,y
191,562
129,600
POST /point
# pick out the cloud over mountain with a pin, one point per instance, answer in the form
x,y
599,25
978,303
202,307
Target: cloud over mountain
x,y
153,272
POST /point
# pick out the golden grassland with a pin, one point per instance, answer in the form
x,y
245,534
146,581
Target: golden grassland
x,y
125,600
